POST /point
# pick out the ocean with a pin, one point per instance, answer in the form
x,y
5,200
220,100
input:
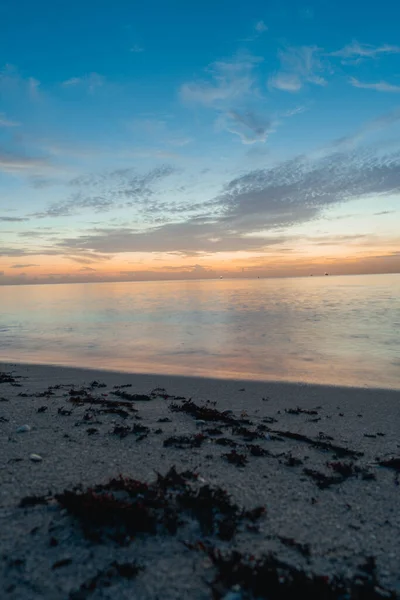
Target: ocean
x,y
330,330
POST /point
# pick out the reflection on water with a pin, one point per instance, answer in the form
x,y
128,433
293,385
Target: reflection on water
x,y
337,330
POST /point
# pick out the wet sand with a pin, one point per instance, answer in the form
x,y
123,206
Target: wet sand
x,y
323,462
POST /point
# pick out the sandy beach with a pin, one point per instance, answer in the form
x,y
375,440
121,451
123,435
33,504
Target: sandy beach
x,y
299,480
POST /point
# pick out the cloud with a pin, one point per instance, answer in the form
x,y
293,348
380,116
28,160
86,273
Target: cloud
x,y
357,50
252,210
33,87
104,192
88,259
299,190
13,163
86,269
377,124
260,27
249,126
11,81
91,81
24,266
173,272
187,238
12,219
299,66
232,93
136,49
227,81
380,86
4,122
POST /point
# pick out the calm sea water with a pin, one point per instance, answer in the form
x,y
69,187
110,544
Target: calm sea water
x,y
335,330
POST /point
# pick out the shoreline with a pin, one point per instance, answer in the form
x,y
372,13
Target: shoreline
x,y
313,455
251,380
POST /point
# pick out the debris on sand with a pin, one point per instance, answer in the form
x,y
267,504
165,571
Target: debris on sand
x,y
226,442
303,549
23,428
235,458
136,429
391,463
35,458
300,411
205,413
6,378
185,441
319,444
123,508
29,501
132,397
270,578
103,403
97,384
256,450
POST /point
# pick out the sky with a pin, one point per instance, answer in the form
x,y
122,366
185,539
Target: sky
x,y
170,140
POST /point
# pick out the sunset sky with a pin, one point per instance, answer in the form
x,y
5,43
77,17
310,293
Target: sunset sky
x,y
162,140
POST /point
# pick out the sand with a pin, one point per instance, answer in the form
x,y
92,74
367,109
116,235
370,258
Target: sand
x,y
324,526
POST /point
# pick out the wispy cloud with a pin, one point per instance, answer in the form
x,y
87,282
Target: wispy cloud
x,y
24,266
232,92
12,219
249,126
136,49
11,80
227,81
260,27
299,66
91,81
110,190
377,124
4,122
13,163
355,50
379,86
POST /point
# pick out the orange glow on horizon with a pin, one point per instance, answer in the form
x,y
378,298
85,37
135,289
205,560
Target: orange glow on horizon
x,y
302,260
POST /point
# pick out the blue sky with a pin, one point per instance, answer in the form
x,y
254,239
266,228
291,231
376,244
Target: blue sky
x,y
145,139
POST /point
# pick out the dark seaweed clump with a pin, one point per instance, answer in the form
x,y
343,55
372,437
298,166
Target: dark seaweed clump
x,y
123,508
342,470
206,413
8,378
123,430
391,463
268,577
320,444
185,441
300,411
235,458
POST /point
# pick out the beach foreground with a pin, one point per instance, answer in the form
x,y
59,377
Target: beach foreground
x,y
311,475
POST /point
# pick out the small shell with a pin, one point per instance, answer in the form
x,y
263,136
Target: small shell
x,y
23,428
35,457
